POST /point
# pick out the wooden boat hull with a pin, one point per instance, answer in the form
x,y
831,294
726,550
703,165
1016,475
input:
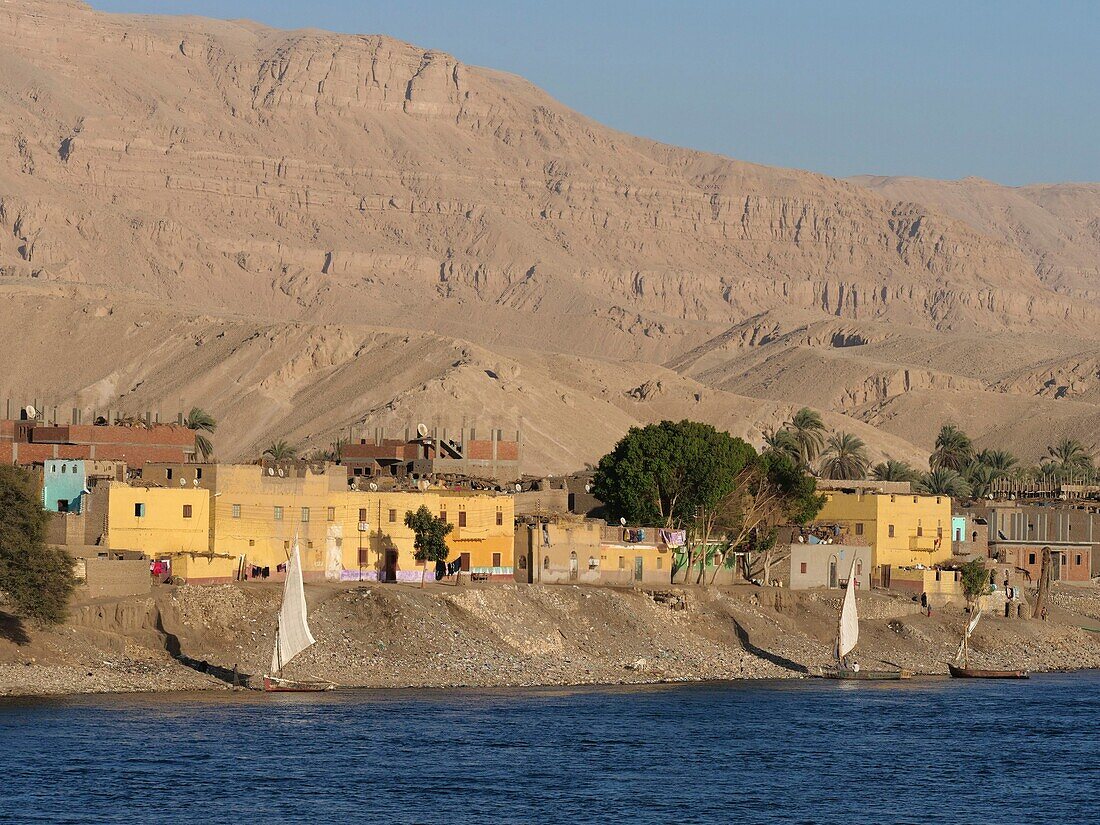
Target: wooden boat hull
x,y
273,684
866,675
976,673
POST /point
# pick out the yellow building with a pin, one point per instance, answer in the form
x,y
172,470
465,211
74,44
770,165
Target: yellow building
x,y
380,546
902,529
256,512
165,523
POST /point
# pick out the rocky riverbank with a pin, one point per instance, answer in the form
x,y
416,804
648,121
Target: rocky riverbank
x,y
197,638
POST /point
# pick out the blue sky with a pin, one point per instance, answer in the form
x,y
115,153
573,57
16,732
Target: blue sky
x,y
1006,90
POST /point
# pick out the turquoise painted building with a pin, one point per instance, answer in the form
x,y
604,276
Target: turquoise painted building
x,y
64,485
958,529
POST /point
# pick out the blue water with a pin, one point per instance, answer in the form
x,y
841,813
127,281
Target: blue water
x,y
935,751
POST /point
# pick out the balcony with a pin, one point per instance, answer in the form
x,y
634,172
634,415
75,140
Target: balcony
x,y
925,544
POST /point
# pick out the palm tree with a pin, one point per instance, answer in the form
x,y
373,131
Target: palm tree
x,y
980,477
944,482
201,422
1000,461
781,441
1071,455
894,470
844,457
808,431
954,450
280,451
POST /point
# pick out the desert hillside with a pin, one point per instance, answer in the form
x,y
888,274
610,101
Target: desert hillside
x,y
306,232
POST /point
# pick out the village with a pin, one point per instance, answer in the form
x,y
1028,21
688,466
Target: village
x,y
139,509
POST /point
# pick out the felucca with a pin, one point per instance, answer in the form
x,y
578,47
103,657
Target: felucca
x,y
967,672
292,635
847,635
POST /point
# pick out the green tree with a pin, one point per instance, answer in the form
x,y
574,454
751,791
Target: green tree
x,y
201,422
430,538
980,478
781,441
1071,456
37,579
808,432
975,580
944,482
893,470
1000,461
281,451
954,450
844,457
772,492
672,474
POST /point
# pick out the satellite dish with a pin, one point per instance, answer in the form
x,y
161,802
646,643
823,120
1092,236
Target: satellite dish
x,y
373,487
282,472
588,488
424,485
271,471
30,411
183,482
519,488
421,430
195,482
622,521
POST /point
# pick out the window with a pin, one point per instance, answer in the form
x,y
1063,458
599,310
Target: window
x,y
500,518
187,511
442,515
358,471
546,563
859,531
286,544
920,529
915,500
168,474
890,530
622,562
331,514
939,531
278,514
236,511
198,473
937,499
1077,560
139,510
496,559
363,514
659,563
393,516
937,575
63,507
1031,558
65,467
462,523
252,542
893,498
363,556
305,515
859,567
592,563
801,567
309,545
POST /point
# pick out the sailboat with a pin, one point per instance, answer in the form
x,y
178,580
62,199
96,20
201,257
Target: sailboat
x,y
846,637
967,672
292,635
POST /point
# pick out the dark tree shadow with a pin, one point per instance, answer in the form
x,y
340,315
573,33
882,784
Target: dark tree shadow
x,y
766,655
231,676
12,629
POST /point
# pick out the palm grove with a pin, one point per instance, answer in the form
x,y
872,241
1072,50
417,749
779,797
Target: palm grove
x,y
955,468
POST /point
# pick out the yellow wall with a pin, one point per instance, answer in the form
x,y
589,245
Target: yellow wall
x,y
908,514
481,536
162,531
247,522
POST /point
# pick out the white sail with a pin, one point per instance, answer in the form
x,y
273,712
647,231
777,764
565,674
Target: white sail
x,y
292,636
848,630
969,629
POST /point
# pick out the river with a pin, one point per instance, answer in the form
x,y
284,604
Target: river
x,y
927,751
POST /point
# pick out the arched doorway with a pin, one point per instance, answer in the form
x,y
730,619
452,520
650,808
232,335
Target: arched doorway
x,y
833,580
573,571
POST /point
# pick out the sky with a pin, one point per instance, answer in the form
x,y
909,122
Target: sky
x,y
1007,90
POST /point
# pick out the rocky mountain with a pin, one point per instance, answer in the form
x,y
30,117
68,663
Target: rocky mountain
x,y
307,232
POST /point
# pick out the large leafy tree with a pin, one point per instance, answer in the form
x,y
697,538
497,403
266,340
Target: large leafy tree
x,y
954,450
1070,456
773,491
429,537
202,423
844,457
673,474
37,579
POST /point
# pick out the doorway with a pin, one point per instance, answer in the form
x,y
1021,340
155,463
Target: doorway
x,y
390,572
573,571
637,568
833,581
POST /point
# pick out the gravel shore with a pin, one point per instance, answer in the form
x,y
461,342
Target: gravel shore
x,y
195,638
